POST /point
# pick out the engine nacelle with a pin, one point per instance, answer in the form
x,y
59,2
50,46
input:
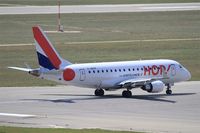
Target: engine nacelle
x,y
154,87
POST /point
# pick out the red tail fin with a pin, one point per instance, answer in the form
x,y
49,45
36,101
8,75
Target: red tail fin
x,y
47,55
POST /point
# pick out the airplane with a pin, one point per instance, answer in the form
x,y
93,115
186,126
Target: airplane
x,y
149,75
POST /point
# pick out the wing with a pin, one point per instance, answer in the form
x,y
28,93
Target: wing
x,y
133,83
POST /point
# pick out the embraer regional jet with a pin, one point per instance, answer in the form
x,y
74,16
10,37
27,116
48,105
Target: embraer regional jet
x,y
149,75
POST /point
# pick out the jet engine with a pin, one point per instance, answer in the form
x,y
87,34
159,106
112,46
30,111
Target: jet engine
x,y
154,87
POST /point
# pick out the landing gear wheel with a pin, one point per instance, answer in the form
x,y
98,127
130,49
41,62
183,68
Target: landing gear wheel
x,y
168,92
127,94
99,92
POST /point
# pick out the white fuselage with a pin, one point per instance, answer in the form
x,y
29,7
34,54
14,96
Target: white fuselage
x,y
150,75
107,75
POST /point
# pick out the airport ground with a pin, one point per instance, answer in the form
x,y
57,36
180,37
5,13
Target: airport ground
x,y
86,2
77,108
112,8
56,130
95,38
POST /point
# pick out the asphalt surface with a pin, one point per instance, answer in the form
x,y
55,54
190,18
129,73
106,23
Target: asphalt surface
x,y
73,107
100,8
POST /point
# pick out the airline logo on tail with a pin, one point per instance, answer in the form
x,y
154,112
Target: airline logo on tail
x,y
47,56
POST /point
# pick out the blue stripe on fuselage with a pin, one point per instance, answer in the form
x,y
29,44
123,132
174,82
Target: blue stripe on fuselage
x,y
44,61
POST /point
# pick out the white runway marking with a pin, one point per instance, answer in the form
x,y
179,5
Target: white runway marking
x,y
127,41
16,115
63,32
9,5
15,102
118,41
101,8
13,45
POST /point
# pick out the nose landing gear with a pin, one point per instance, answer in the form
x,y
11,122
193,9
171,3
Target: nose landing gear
x,y
168,91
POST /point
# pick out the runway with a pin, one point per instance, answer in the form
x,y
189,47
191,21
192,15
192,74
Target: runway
x,y
73,107
100,8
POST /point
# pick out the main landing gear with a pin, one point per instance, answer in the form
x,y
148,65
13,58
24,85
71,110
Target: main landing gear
x,y
168,91
127,93
99,92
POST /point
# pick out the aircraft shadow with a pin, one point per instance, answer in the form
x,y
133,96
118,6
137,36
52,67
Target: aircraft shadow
x,y
50,100
150,97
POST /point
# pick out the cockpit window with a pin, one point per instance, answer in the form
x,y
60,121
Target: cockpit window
x,y
180,66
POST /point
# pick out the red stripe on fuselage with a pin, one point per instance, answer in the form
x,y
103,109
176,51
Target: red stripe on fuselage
x,y
46,47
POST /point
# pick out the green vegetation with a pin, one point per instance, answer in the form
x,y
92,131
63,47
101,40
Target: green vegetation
x,y
49,130
101,27
88,2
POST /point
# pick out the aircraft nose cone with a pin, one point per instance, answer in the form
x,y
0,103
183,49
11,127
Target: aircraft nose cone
x,y
187,75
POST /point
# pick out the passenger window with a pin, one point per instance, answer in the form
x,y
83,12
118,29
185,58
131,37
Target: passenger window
x,y
124,70
98,71
110,70
93,71
102,71
137,69
106,70
129,69
89,71
119,70
141,68
115,70
133,69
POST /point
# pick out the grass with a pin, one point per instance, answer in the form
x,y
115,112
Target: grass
x,y
88,2
49,130
101,27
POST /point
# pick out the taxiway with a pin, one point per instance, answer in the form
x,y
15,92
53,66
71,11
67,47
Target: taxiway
x,y
73,107
100,8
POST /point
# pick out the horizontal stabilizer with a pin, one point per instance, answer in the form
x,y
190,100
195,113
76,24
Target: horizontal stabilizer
x,y
21,69
34,72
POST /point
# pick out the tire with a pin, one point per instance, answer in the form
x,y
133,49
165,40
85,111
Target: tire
x,y
99,92
127,94
168,92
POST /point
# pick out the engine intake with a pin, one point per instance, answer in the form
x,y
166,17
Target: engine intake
x,y
154,87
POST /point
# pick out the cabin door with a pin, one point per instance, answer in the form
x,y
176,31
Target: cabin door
x,y
82,74
173,70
